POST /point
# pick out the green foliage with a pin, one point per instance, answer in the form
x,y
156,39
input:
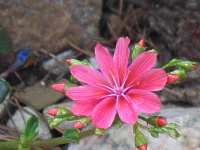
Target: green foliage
x,y
72,135
169,129
181,64
100,132
30,133
5,41
136,50
62,115
140,138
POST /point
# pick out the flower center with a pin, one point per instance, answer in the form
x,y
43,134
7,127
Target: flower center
x,y
118,91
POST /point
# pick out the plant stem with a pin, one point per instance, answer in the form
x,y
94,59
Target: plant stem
x,y
12,145
143,118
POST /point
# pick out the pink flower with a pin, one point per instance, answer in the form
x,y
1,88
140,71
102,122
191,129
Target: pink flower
x,y
118,88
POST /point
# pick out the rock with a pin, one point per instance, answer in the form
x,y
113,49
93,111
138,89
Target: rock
x,y
38,96
4,95
186,92
51,24
122,139
17,120
58,65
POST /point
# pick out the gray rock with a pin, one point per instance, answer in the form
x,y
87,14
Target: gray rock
x,y
17,120
58,64
51,24
122,139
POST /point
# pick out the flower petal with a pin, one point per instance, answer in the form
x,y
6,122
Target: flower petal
x,y
82,109
145,101
85,93
104,60
121,56
87,74
126,112
143,63
104,113
153,80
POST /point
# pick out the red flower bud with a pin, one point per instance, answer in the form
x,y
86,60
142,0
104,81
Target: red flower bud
x,y
69,61
58,87
79,125
53,112
172,78
143,147
161,121
141,42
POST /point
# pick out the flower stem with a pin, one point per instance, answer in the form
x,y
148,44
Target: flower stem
x,y
143,118
12,145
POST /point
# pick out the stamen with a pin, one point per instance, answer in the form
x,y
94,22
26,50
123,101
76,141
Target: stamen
x,y
107,88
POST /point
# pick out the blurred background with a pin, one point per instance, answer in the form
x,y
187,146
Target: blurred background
x,y
37,36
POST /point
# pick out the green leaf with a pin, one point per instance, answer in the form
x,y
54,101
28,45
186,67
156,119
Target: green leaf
x,y
174,133
117,123
30,133
169,129
72,135
31,129
140,138
136,50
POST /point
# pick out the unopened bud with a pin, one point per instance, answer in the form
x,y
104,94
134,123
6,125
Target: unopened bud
x,y
53,112
161,121
141,42
172,78
158,121
58,87
79,125
69,61
143,147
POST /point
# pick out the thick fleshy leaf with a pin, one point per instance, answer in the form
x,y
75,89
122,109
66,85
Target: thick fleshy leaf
x,y
104,60
104,113
153,80
83,109
145,101
126,112
143,63
87,74
85,93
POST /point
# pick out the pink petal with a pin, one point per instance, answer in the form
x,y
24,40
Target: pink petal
x,y
126,112
85,93
104,113
81,109
104,60
153,80
87,74
143,63
145,101
121,56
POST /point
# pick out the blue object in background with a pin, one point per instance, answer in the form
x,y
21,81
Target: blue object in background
x,y
21,58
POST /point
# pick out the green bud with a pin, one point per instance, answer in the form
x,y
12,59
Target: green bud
x,y
136,50
179,72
